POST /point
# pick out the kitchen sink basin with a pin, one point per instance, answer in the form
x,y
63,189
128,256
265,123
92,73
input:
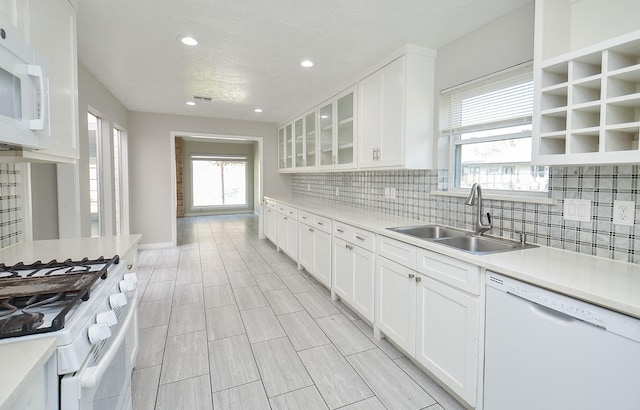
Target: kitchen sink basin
x,y
429,231
482,245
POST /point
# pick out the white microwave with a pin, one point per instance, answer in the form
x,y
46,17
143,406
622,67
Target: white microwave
x,y
24,93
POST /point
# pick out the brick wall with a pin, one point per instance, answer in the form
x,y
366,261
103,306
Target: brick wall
x,y
179,184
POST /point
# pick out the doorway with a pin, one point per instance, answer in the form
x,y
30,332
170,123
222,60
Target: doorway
x,y
207,157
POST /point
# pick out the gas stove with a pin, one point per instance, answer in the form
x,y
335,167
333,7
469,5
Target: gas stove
x,y
90,307
37,298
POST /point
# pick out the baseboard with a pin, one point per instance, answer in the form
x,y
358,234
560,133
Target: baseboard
x,y
157,245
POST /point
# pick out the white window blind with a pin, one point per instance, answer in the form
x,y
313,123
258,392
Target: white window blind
x,y
488,122
490,102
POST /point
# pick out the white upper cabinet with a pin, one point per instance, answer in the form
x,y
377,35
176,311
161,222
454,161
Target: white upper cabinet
x,y
52,26
337,125
385,121
15,13
586,82
285,148
395,114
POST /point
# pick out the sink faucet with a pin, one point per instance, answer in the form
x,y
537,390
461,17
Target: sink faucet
x,y
475,196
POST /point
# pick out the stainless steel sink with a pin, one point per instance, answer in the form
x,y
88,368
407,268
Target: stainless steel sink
x,y
482,245
429,231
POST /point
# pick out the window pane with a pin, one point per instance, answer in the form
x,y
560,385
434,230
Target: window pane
x,y
526,128
94,173
235,183
218,183
116,177
503,165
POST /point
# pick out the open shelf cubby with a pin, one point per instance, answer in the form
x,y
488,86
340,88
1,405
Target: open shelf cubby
x,y
587,66
554,97
555,74
553,144
586,141
587,91
622,139
585,118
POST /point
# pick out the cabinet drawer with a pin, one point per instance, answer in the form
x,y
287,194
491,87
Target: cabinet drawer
x,y
288,211
458,274
322,223
397,251
305,217
356,236
271,204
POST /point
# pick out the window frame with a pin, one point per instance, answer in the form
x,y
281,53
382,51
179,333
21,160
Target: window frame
x,y
216,157
454,135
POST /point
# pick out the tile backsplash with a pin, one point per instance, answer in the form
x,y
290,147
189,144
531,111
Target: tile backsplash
x,y
543,224
11,207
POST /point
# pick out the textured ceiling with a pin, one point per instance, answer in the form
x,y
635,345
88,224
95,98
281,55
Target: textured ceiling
x,y
250,50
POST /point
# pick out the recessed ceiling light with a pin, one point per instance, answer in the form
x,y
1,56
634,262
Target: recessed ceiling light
x,y
257,109
306,63
190,103
188,41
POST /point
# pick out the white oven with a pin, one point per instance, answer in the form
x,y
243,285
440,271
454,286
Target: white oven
x,y
104,379
24,93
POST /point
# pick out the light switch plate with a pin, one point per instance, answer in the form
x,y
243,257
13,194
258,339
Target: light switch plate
x,y
577,210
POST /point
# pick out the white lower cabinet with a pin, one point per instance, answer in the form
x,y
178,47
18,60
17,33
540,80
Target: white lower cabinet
x,y
288,235
270,220
314,252
395,303
353,276
447,338
434,322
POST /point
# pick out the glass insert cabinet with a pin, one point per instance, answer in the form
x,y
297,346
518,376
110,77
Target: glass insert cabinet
x,y
322,138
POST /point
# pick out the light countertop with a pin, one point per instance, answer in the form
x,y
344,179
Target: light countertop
x,y
20,363
62,249
605,282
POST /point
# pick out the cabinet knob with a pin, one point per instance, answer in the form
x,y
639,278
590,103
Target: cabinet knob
x,y
418,279
359,238
339,230
411,276
311,230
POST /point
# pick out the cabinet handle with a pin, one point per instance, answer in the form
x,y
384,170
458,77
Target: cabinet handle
x,y
418,279
411,276
339,230
311,230
285,218
320,223
290,212
360,238
304,217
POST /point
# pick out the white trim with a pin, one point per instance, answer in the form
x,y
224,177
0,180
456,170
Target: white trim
x,y
488,76
213,138
499,197
156,245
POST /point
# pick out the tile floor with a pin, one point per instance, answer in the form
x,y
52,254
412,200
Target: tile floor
x,y
227,322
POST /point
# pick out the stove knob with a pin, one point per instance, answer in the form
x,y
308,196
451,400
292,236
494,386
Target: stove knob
x,y
98,333
127,285
109,318
131,276
117,300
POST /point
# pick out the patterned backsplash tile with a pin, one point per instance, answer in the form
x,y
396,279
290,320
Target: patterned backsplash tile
x,y
11,207
543,224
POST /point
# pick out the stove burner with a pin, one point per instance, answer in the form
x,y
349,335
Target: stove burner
x,y
27,292
20,323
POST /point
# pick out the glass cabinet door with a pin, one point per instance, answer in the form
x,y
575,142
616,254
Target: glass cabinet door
x,y
310,139
282,152
298,133
288,142
344,149
326,135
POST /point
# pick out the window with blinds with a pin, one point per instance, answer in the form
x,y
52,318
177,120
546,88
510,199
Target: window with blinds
x,y
488,122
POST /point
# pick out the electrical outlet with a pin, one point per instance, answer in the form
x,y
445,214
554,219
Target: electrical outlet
x,y
392,193
386,193
337,191
624,212
308,187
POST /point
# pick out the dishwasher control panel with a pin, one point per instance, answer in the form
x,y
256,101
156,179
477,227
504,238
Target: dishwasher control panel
x,y
611,321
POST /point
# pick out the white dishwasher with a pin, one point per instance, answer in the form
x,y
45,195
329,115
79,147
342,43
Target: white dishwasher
x,y
548,351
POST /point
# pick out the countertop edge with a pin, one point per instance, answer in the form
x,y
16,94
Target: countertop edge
x,y
24,359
